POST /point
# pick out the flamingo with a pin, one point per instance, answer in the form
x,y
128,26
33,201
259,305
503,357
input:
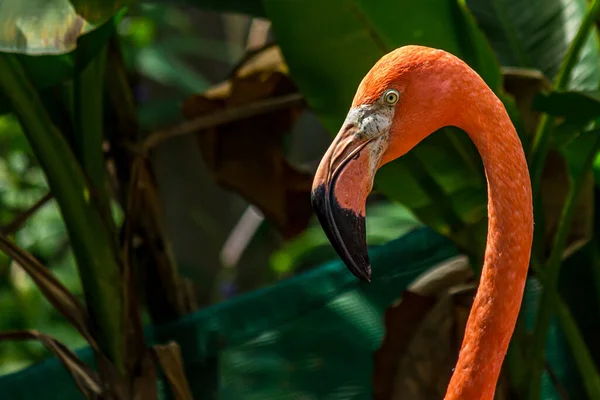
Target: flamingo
x,y
408,94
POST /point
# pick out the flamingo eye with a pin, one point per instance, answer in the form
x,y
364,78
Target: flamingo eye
x,y
391,96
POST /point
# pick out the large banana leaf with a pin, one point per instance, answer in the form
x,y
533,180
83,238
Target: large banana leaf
x,y
250,7
536,34
329,46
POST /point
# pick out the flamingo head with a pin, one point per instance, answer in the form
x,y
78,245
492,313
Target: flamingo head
x,y
402,99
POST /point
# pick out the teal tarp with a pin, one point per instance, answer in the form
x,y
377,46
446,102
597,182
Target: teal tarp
x,y
308,337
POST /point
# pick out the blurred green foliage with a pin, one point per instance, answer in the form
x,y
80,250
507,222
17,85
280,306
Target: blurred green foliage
x,y
22,184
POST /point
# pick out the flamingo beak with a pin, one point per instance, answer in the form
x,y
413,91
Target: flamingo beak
x,y
340,189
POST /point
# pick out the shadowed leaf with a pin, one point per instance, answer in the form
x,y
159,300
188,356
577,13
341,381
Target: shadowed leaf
x,y
246,155
250,7
169,358
85,378
579,106
575,110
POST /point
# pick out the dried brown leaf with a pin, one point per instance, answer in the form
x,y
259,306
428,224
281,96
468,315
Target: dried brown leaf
x,y
169,358
405,320
268,58
245,155
142,201
423,333
144,385
134,336
424,370
400,323
148,249
58,295
86,379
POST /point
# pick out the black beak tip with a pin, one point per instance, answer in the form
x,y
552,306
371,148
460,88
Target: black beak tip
x,y
346,231
363,273
359,264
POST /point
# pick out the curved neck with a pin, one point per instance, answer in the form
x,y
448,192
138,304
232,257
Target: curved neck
x,y
510,233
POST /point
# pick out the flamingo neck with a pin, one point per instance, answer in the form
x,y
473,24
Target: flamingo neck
x,y
510,232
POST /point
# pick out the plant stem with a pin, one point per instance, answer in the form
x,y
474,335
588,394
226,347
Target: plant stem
x,y
20,219
551,273
596,273
581,354
99,267
232,114
88,100
585,363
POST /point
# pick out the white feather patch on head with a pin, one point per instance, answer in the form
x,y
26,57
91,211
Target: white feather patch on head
x,y
371,119
374,122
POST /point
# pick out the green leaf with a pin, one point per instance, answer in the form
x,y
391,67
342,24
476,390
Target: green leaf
x,y
93,246
579,110
580,154
51,26
346,37
163,66
89,127
536,34
442,180
572,105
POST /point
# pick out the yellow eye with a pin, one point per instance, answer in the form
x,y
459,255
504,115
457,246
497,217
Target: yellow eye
x,y
391,96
